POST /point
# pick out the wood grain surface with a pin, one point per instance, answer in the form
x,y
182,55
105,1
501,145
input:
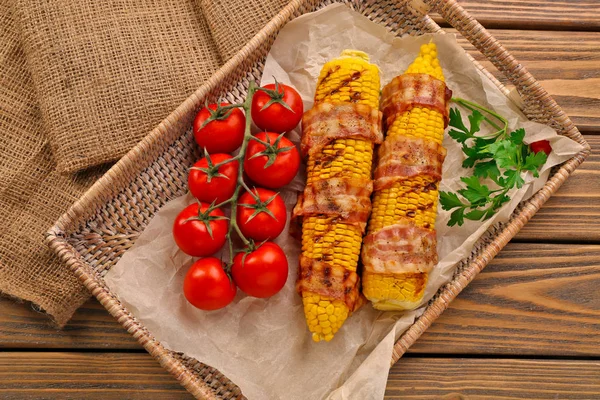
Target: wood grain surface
x,y
533,299
471,379
92,327
56,375
572,214
536,301
534,14
566,64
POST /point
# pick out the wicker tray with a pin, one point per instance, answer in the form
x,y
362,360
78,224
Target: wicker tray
x,y
92,236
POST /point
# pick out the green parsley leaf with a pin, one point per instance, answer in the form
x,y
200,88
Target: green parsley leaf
x,y
450,200
502,158
475,120
505,153
476,193
455,120
487,169
517,136
475,215
534,161
457,217
459,136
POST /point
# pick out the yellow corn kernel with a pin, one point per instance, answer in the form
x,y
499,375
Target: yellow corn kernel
x,y
349,78
343,158
394,291
413,200
323,325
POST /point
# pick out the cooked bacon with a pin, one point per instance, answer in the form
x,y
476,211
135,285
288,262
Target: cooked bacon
x,y
329,280
326,122
347,198
409,90
402,157
400,248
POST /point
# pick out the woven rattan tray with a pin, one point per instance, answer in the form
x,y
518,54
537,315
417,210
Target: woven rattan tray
x,y
92,236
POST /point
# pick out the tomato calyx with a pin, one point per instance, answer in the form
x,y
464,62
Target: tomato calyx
x,y
276,97
205,217
212,171
218,114
271,149
260,206
250,247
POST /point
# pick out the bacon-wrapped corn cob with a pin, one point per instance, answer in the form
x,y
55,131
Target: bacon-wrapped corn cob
x,y
400,248
339,133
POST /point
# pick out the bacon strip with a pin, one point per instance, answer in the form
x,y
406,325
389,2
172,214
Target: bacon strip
x,y
402,157
400,248
409,90
347,198
326,122
329,280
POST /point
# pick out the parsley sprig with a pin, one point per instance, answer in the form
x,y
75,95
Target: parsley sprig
x,y
501,157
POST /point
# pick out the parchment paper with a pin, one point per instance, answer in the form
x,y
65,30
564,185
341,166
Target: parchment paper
x,y
263,345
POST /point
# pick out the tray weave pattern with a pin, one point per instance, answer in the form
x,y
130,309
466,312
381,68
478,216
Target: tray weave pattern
x,y
95,232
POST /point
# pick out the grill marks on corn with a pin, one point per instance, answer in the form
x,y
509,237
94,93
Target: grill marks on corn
x,y
342,158
326,239
348,79
413,199
339,86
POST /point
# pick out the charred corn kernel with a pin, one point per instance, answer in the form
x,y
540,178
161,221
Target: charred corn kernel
x,y
350,78
413,199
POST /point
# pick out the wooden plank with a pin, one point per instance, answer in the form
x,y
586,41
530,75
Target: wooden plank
x,y
534,14
457,379
565,64
572,214
533,299
32,375
137,376
91,327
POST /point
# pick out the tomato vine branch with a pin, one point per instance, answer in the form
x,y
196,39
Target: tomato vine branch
x,y
240,184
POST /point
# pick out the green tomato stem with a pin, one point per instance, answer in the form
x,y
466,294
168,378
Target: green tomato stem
x,y
233,226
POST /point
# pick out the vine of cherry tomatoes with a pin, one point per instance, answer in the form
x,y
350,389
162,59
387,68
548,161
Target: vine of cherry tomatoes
x,y
258,215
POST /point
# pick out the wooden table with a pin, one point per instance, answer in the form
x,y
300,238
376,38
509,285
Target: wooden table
x,y
527,327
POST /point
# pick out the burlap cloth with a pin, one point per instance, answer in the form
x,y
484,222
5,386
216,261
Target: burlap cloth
x,y
81,82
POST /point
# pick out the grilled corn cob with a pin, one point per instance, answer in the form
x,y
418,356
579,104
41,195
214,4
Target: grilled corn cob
x,y
413,200
347,79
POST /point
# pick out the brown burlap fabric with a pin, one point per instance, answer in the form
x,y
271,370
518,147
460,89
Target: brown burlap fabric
x,y
32,193
81,81
131,60
232,20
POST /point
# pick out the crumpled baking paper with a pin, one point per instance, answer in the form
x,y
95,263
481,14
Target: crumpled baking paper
x,y
263,344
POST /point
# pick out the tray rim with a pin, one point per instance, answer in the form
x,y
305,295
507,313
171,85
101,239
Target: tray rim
x,y
104,188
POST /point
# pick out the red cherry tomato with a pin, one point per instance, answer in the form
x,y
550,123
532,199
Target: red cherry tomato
x,y
220,188
263,272
285,163
541,145
276,117
261,226
192,236
221,135
206,285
